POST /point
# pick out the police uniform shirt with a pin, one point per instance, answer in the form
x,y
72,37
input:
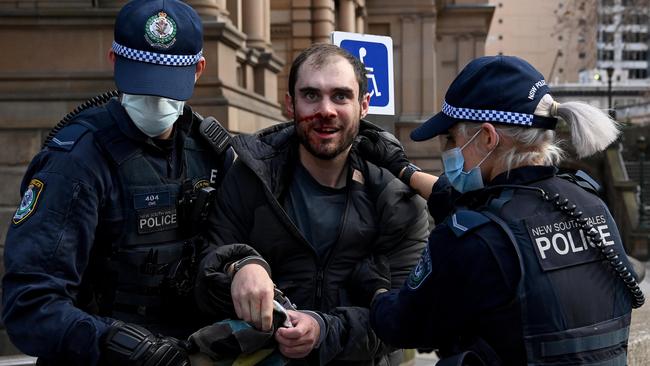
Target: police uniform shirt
x,y
48,247
459,288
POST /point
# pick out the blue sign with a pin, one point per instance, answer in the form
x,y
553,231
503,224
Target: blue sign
x,y
376,53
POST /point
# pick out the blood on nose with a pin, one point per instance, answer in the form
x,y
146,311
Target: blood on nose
x,y
311,117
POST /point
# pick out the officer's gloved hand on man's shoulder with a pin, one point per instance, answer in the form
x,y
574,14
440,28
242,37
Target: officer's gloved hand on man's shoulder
x,y
382,149
130,344
368,278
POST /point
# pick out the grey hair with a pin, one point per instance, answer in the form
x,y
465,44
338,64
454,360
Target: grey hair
x,y
592,130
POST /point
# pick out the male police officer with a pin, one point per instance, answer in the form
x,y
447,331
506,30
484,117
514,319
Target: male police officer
x,y
101,240
514,272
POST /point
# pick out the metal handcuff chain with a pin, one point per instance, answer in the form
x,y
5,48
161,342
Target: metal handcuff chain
x,y
92,102
563,205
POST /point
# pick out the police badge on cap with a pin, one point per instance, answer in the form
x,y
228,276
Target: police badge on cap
x,y
160,30
157,44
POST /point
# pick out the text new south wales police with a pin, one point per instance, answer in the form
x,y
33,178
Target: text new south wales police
x,y
564,237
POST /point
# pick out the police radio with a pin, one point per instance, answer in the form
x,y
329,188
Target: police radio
x,y
215,134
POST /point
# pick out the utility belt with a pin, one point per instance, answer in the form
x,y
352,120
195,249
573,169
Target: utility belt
x,y
166,270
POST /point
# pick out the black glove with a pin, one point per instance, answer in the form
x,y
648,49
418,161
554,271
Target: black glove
x,y
383,149
132,345
367,277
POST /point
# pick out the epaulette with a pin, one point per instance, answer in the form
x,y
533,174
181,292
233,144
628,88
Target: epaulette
x,y
462,222
67,137
583,179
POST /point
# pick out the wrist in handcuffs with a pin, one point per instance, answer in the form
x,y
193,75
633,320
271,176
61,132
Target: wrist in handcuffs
x,y
236,266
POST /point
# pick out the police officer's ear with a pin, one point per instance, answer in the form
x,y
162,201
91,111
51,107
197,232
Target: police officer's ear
x,y
111,56
489,137
200,67
288,105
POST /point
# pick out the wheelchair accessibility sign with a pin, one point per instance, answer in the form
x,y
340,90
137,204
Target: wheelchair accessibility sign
x,y
376,53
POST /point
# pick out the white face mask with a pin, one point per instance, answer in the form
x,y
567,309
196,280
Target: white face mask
x,y
152,115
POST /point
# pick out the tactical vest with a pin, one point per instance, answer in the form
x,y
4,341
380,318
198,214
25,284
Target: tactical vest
x,y
574,308
144,273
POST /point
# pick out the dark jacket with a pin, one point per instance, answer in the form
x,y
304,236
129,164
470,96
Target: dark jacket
x,y
475,289
382,216
54,306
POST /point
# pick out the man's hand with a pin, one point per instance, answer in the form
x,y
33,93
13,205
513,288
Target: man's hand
x,y
383,149
252,296
298,341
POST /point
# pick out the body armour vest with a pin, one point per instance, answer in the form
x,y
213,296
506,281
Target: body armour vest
x,y
145,253
575,309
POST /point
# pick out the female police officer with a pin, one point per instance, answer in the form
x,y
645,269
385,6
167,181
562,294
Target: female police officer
x,y
514,273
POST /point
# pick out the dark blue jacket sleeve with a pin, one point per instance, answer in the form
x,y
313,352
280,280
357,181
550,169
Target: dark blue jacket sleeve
x,y
455,281
45,256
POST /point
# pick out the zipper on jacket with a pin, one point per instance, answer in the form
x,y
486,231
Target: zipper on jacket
x,y
320,277
319,286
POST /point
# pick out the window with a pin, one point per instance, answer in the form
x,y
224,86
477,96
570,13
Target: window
x,y
381,29
637,73
607,19
582,55
635,37
241,75
607,37
636,18
605,55
635,55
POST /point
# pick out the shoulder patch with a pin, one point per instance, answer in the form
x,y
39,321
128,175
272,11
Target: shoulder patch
x,y
421,271
68,137
463,221
29,201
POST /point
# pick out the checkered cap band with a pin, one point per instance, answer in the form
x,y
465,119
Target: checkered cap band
x,y
156,58
487,115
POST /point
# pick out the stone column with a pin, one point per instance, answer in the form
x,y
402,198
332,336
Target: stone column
x,y
255,23
235,11
323,20
209,9
347,15
361,14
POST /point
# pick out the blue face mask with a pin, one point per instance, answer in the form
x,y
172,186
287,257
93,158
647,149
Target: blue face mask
x,y
453,161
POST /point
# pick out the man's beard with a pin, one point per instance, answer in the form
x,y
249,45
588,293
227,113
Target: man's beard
x,y
327,150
